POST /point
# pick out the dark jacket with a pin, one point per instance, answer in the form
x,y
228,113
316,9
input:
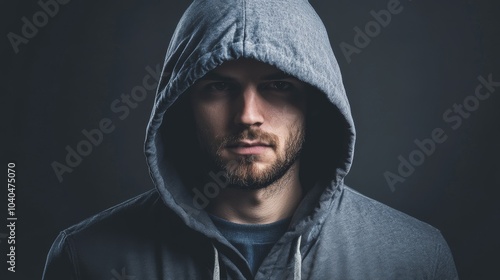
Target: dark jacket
x,y
335,233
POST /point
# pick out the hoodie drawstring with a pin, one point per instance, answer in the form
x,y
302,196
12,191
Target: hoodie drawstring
x,y
216,275
297,265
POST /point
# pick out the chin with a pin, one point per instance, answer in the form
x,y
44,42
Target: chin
x,y
250,175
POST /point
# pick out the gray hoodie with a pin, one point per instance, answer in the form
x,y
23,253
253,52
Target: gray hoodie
x,y
335,233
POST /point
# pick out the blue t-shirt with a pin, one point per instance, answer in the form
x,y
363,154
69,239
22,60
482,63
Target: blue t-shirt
x,y
254,241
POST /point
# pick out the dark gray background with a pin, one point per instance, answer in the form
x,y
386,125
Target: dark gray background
x,y
427,59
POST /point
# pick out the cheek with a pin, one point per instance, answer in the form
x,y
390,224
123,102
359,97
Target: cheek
x,y
286,116
286,123
209,119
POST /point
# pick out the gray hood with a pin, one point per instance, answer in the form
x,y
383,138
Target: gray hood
x,y
287,34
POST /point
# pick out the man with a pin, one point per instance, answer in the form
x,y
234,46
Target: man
x,y
248,145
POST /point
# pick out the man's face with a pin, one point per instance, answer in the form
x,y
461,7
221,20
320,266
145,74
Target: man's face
x,y
250,120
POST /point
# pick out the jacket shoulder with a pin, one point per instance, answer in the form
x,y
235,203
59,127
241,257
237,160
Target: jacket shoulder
x,y
122,213
130,234
377,213
387,239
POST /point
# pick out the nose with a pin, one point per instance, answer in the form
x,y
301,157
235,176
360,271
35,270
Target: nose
x,y
249,108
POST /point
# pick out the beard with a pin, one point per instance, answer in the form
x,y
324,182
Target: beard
x,y
243,171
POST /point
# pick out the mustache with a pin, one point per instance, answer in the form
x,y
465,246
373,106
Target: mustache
x,y
251,134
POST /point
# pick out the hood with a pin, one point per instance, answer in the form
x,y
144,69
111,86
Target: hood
x,y
287,34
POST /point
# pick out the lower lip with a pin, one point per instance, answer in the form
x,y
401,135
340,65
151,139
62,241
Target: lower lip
x,y
251,150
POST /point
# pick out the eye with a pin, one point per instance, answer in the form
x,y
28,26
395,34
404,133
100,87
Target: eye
x,y
219,86
280,85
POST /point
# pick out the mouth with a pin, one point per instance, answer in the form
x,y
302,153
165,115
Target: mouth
x,y
248,147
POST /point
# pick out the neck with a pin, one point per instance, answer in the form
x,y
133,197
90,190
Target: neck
x,y
263,206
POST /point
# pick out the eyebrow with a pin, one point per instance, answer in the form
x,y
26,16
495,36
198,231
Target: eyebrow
x,y
274,76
